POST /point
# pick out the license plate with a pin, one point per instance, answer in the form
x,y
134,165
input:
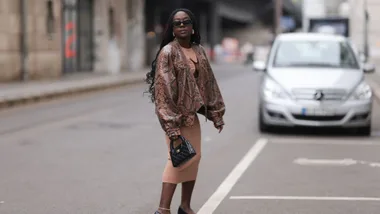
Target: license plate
x,y
317,112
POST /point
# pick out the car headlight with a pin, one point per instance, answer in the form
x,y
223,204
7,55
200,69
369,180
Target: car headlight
x,y
362,92
272,90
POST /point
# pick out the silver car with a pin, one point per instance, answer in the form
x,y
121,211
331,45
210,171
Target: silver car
x,y
314,80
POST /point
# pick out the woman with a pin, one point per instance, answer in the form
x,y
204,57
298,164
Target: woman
x,y
182,84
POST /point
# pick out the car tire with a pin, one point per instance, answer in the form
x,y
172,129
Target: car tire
x,y
364,131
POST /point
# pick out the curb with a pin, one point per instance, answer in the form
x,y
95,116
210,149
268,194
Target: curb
x,y
65,92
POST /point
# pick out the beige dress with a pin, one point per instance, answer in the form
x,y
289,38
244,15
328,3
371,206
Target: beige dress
x,y
188,171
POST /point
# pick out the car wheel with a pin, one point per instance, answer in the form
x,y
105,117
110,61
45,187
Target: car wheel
x,y
364,131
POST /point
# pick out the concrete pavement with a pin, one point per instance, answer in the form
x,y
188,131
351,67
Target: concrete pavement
x,y
105,152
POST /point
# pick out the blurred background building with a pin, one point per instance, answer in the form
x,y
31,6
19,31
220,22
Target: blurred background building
x,y
49,38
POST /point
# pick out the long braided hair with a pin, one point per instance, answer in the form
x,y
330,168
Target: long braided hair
x,y
167,38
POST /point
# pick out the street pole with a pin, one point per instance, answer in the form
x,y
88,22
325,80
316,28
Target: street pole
x,y
366,48
277,16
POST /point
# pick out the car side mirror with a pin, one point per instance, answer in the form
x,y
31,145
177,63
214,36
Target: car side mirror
x,y
369,68
259,66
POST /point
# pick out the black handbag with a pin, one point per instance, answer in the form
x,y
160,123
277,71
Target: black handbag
x,y
182,153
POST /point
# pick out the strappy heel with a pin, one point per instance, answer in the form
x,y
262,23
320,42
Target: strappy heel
x,y
181,211
161,208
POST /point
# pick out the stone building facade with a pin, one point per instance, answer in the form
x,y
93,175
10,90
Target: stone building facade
x,y
70,36
357,26
43,47
109,35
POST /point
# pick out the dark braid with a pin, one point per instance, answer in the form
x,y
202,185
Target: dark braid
x,y
167,38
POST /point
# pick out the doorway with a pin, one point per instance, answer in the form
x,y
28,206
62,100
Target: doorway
x,y
85,32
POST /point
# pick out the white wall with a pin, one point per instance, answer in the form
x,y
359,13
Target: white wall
x,y
357,26
101,35
124,51
312,9
135,35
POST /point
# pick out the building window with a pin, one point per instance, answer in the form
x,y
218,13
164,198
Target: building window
x,y
49,19
111,22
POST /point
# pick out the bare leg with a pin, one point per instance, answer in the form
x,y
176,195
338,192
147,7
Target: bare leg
x,y
166,197
187,192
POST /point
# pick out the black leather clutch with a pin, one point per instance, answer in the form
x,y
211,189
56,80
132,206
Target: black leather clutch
x,y
182,153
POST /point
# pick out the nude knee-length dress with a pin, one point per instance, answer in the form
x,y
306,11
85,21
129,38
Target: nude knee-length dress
x,y
189,170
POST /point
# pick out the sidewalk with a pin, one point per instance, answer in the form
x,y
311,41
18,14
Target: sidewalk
x,y
18,93
12,94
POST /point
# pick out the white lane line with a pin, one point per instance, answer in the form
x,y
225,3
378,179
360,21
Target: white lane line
x,y
225,187
300,198
325,142
332,162
326,162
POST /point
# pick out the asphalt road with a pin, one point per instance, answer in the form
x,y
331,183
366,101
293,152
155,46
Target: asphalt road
x,y
104,153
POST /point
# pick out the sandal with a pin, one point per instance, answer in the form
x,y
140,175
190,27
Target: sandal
x,y
161,208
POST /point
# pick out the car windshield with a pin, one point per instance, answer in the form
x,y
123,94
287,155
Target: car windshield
x,y
332,54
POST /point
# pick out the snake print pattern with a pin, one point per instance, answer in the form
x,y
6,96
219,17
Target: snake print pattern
x,y
179,95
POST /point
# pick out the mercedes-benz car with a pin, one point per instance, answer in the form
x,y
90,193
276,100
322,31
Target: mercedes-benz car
x,y
314,80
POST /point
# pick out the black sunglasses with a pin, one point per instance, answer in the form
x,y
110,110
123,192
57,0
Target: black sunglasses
x,y
182,23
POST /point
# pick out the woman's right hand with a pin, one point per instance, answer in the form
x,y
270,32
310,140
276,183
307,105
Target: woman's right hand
x,y
174,138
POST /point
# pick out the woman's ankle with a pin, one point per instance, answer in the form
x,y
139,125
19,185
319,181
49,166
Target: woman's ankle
x,y
185,207
162,210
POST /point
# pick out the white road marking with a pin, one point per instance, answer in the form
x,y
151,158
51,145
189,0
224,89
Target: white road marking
x,y
330,162
359,142
313,162
374,164
225,187
299,198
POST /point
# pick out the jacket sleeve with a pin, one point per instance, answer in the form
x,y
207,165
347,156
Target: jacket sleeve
x,y
165,91
215,103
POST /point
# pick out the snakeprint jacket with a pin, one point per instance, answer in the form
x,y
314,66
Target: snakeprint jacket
x,y
179,94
